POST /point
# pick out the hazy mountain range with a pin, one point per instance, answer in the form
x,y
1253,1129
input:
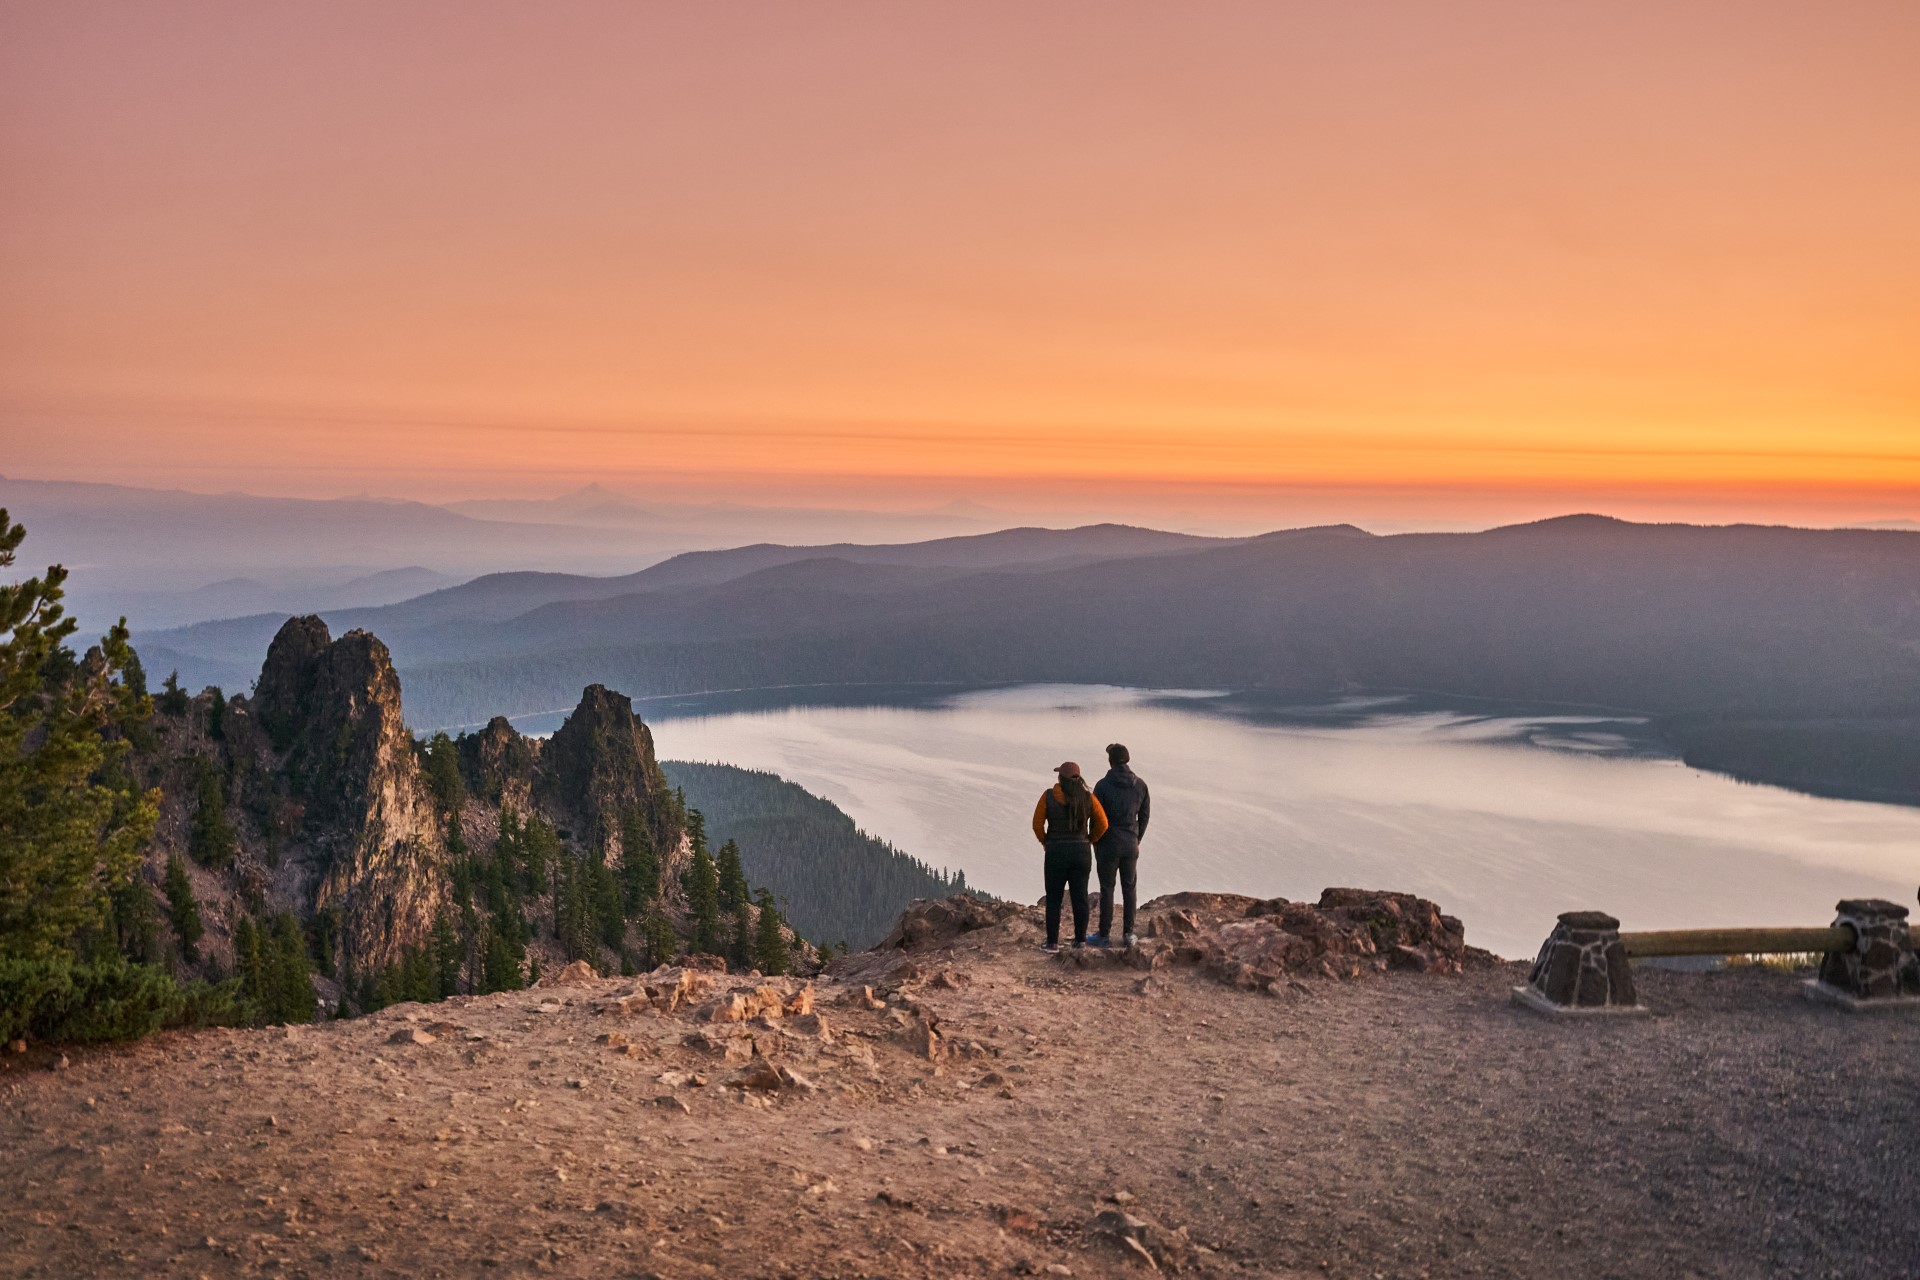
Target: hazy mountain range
x,y
1704,626
167,557
1790,654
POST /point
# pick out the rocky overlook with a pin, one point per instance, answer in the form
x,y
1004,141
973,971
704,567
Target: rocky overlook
x,y
1262,1090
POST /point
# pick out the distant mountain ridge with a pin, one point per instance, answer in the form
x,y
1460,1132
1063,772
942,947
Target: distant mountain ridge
x,y
502,597
169,557
1736,625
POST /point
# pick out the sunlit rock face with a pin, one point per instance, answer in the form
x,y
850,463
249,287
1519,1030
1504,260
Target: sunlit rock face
x,y
332,814
333,706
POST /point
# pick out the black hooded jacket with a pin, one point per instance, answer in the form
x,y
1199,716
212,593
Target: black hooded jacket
x,y
1123,794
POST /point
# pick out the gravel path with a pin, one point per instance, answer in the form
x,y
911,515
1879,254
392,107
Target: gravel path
x,y
1393,1126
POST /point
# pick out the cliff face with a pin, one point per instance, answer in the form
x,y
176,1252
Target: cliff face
x,y
498,765
334,708
598,770
327,809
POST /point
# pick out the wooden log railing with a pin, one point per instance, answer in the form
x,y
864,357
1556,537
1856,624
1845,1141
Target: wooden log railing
x,y
1736,942
1867,959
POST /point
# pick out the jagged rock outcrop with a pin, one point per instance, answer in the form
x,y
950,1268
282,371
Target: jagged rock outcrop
x,y
499,765
1245,942
929,922
334,707
599,768
282,693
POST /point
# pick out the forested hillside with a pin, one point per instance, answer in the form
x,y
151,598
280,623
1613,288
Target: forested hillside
x,y
205,858
836,882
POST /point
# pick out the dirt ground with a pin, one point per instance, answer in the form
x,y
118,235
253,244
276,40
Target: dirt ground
x,y
1394,1125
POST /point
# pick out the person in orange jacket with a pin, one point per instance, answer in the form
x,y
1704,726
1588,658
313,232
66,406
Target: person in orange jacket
x,y
1067,821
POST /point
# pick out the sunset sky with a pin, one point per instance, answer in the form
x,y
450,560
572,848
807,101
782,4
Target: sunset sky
x,y
1385,262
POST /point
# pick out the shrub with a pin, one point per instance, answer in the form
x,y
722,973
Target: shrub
x,y
62,1001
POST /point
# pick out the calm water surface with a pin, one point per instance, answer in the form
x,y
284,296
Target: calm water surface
x,y
1505,820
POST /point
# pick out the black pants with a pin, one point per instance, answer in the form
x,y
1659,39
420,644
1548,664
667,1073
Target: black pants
x,y
1068,866
1118,857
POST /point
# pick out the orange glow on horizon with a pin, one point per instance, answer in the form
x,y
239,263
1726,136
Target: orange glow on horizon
x,y
1451,258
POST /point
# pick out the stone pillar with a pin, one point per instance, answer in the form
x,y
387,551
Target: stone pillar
x,y
1879,971
1582,969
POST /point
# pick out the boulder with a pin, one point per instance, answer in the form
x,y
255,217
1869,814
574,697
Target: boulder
x,y
759,1075
766,1001
931,922
1205,904
815,1025
735,1046
1179,922
577,974
1148,1241
919,1037
668,988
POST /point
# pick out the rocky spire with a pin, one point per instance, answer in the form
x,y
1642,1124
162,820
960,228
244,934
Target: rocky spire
x,y
598,767
499,764
334,707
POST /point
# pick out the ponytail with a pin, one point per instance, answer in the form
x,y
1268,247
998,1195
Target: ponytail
x,y
1079,801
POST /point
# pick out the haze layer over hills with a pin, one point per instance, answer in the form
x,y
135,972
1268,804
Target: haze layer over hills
x,y
168,557
1719,630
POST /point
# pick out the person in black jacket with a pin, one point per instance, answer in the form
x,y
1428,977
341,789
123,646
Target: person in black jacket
x,y
1123,797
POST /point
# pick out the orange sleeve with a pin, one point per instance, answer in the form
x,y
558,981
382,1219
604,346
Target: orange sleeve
x,y
1040,819
1099,818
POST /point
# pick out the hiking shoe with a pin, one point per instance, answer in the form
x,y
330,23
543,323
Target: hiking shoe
x,y
1050,947
1133,940
1098,940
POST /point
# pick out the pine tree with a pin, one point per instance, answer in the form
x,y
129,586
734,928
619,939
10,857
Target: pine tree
x,y
662,943
734,892
539,850
325,932
217,716
446,954
71,821
607,902
134,676
184,908
639,864
442,760
421,975
573,914
740,950
212,840
249,965
293,999
702,884
173,700
136,922
771,954
500,961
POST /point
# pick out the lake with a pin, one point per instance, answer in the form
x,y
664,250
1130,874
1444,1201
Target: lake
x,y
1503,817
